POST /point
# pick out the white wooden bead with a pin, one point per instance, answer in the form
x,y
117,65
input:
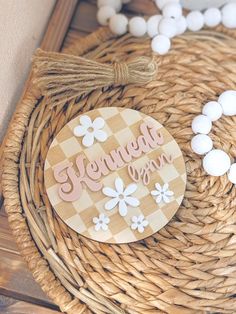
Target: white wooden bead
x,y
115,4
201,124
195,21
152,25
181,25
167,27
227,101
232,173
201,144
172,9
160,44
161,3
104,14
118,24
137,26
229,15
213,110
216,162
212,17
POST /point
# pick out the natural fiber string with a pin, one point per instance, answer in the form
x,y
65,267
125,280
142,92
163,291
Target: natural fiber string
x,y
121,71
63,77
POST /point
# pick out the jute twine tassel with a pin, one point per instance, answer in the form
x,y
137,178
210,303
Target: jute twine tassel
x,y
62,77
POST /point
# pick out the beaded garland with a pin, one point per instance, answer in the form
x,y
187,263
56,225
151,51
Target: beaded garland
x,y
216,162
162,27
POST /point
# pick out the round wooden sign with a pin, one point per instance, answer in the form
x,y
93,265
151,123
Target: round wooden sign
x,y
115,175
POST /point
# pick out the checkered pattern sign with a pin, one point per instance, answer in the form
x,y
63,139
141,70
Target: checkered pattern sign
x,y
121,126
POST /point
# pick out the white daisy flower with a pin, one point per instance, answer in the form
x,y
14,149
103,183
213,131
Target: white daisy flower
x,y
101,222
139,222
121,196
90,130
162,193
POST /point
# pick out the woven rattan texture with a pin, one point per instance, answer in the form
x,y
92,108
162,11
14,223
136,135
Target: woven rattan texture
x,y
188,266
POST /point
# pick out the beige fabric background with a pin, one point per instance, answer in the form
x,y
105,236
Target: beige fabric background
x,y
22,24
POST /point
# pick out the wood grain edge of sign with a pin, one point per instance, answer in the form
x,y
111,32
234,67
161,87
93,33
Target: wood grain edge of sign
x,y
52,41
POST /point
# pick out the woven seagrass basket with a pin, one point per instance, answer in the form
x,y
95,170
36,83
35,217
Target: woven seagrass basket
x,y
188,266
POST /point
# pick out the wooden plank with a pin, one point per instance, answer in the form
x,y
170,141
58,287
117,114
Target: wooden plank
x,y
15,278
58,25
84,18
141,7
12,306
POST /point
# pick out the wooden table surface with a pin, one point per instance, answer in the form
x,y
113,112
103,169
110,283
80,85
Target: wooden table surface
x,y
19,293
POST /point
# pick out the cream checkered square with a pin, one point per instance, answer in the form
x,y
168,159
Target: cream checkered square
x,y
70,147
123,135
130,118
83,202
94,151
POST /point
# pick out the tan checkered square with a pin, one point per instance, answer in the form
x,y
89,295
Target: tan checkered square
x,y
121,125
